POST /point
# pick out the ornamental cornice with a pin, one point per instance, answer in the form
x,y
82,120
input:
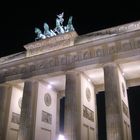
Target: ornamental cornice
x,y
71,57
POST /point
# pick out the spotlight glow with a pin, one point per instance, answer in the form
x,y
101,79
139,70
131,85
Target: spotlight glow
x,y
49,86
61,137
89,80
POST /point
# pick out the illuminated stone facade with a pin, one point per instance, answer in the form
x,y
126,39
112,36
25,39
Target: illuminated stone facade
x,y
33,82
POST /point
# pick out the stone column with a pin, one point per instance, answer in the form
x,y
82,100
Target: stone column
x,y
28,111
5,97
113,103
72,122
58,116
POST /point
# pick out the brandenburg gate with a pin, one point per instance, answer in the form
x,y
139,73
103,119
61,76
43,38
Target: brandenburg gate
x,y
75,67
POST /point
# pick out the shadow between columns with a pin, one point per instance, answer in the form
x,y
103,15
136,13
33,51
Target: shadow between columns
x,y
100,97
62,110
134,107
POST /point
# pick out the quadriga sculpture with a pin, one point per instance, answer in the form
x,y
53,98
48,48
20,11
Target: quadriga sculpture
x,y
59,28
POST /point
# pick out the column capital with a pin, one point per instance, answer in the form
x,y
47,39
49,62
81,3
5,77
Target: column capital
x,y
31,81
73,72
110,64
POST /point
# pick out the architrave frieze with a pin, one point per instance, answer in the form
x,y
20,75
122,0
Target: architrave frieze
x,y
73,57
51,44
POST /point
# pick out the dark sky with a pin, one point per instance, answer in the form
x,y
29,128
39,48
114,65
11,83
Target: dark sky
x,y
19,19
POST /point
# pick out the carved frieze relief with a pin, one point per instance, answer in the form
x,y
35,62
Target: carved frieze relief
x,y
69,59
51,44
87,54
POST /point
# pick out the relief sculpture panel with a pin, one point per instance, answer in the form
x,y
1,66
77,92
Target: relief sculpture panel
x,y
46,117
88,114
15,118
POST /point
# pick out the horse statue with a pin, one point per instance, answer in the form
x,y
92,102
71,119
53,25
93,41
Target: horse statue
x,y
69,26
59,24
59,28
47,32
39,34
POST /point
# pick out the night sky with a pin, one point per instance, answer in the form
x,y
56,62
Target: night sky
x,y
19,19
